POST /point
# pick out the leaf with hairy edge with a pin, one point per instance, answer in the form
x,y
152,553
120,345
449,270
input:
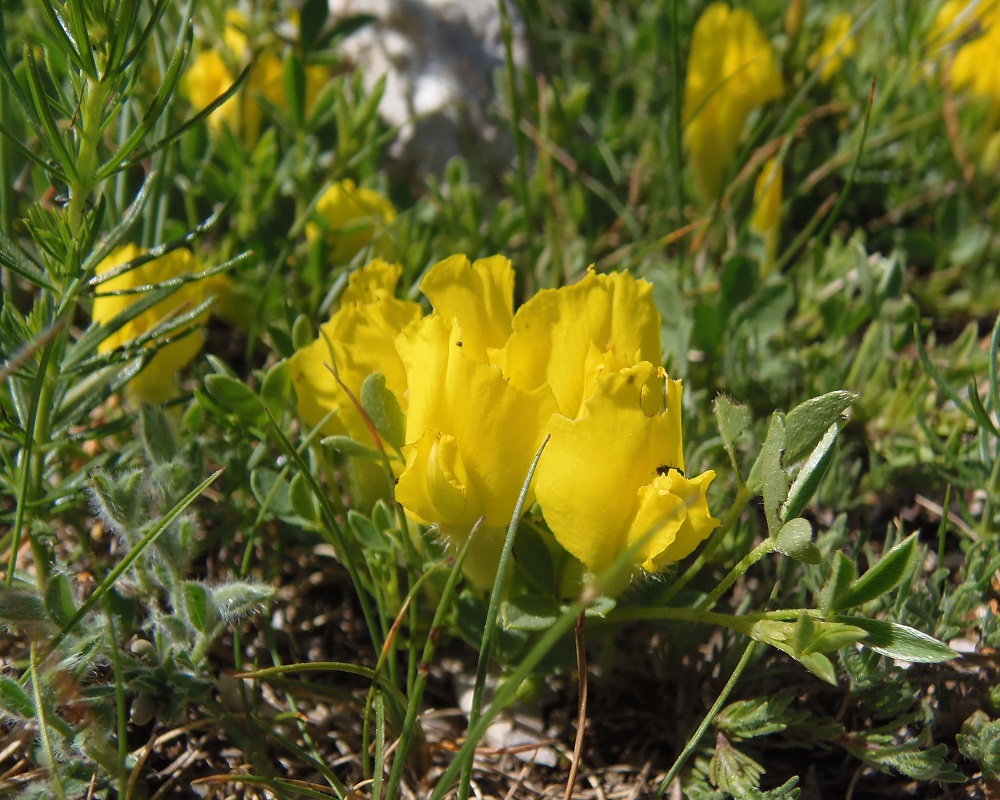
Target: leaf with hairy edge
x,y
900,641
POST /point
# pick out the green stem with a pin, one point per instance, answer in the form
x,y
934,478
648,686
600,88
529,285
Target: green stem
x,y
92,100
736,572
696,737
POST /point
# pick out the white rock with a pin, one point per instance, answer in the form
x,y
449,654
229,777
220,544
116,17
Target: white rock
x,y
438,57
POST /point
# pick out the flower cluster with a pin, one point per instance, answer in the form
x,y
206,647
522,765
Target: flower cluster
x,y
731,71
155,383
213,71
481,386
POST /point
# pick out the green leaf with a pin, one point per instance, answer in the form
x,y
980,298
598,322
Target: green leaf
x,y
200,608
774,481
883,577
14,259
841,577
370,537
301,499
157,434
19,607
980,742
760,716
782,636
529,612
312,20
807,423
820,666
885,752
733,420
806,482
383,409
239,599
294,77
733,772
53,138
347,446
795,541
59,599
272,492
119,161
14,701
900,641
236,397
276,388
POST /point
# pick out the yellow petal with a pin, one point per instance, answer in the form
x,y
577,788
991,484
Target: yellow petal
x,y
731,71
479,296
358,340
837,45
590,475
206,79
496,427
435,486
567,337
696,523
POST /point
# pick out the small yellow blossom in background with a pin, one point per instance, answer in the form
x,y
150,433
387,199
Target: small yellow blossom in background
x,y
613,478
977,63
837,45
155,384
731,71
357,341
348,217
210,75
766,218
207,78
975,67
955,19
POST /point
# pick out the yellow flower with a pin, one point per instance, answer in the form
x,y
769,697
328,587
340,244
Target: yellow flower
x,y
348,219
954,20
837,45
206,79
471,437
731,71
977,63
613,479
565,338
209,76
234,35
156,381
357,341
766,218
